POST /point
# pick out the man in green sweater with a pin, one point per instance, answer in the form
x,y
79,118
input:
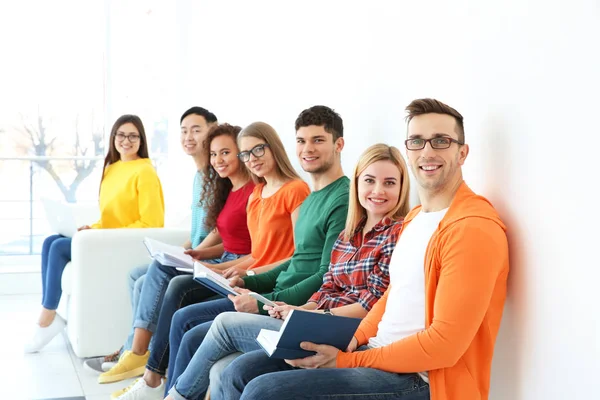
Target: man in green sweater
x,y
319,142
322,216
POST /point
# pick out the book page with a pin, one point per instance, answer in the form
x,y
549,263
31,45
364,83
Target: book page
x,y
164,252
155,247
268,339
200,271
209,273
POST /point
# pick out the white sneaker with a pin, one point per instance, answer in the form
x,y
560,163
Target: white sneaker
x,y
141,391
43,336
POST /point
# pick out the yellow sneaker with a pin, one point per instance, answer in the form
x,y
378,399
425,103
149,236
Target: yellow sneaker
x,y
119,392
130,365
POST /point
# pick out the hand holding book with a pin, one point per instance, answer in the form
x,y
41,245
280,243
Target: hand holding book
x,y
195,254
169,255
301,330
243,302
325,357
282,310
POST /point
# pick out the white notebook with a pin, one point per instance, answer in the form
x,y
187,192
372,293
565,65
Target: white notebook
x,y
169,255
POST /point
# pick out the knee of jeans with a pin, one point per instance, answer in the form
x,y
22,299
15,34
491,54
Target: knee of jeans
x,y
137,272
178,285
153,265
138,284
177,322
185,338
48,241
226,318
221,322
55,245
258,387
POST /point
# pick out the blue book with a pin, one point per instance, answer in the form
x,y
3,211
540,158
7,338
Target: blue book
x,y
305,326
212,280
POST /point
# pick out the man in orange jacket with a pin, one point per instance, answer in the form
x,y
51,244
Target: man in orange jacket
x,y
432,334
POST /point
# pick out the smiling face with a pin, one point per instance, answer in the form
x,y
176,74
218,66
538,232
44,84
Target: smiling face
x,y
260,166
127,141
435,169
316,150
379,189
223,156
193,133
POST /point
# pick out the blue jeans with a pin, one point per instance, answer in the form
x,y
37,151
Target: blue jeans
x,y
190,326
165,291
56,253
229,333
256,376
135,284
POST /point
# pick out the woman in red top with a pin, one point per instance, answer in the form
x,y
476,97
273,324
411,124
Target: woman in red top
x,y
226,189
280,193
274,204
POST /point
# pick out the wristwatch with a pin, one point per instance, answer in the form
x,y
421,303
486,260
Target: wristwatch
x,y
327,311
250,273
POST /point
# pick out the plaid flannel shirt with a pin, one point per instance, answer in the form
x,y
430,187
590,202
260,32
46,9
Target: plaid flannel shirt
x,y
359,272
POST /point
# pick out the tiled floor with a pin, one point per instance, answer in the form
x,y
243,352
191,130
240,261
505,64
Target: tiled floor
x,y
54,373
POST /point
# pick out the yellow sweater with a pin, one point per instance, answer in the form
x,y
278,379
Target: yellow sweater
x,y
131,196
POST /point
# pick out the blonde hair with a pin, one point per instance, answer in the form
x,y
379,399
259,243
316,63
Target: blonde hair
x,y
265,132
377,152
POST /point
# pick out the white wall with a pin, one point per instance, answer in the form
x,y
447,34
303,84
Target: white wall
x,y
525,76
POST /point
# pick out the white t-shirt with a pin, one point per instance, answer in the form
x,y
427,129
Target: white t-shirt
x,y
405,308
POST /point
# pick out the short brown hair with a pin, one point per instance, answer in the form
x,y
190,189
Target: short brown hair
x,y
433,106
322,116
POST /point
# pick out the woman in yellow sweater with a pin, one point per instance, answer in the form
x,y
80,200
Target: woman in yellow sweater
x,y
130,197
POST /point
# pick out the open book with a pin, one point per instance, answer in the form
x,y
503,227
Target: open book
x,y
169,255
306,326
212,280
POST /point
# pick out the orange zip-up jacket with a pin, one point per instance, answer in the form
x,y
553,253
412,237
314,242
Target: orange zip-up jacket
x,y
466,268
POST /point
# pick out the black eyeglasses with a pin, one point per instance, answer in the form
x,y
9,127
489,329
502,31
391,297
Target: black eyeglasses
x,y
257,151
132,138
438,143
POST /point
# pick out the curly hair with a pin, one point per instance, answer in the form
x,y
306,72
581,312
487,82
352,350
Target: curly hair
x,y
322,116
214,188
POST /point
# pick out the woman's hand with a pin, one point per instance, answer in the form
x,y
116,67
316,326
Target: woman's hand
x,y
234,271
236,281
195,254
83,228
282,310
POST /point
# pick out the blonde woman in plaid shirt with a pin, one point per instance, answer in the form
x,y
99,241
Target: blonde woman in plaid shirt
x,y
358,275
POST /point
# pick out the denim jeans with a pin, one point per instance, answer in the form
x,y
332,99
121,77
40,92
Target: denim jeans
x,y
217,370
229,333
172,290
190,326
255,376
56,253
135,284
